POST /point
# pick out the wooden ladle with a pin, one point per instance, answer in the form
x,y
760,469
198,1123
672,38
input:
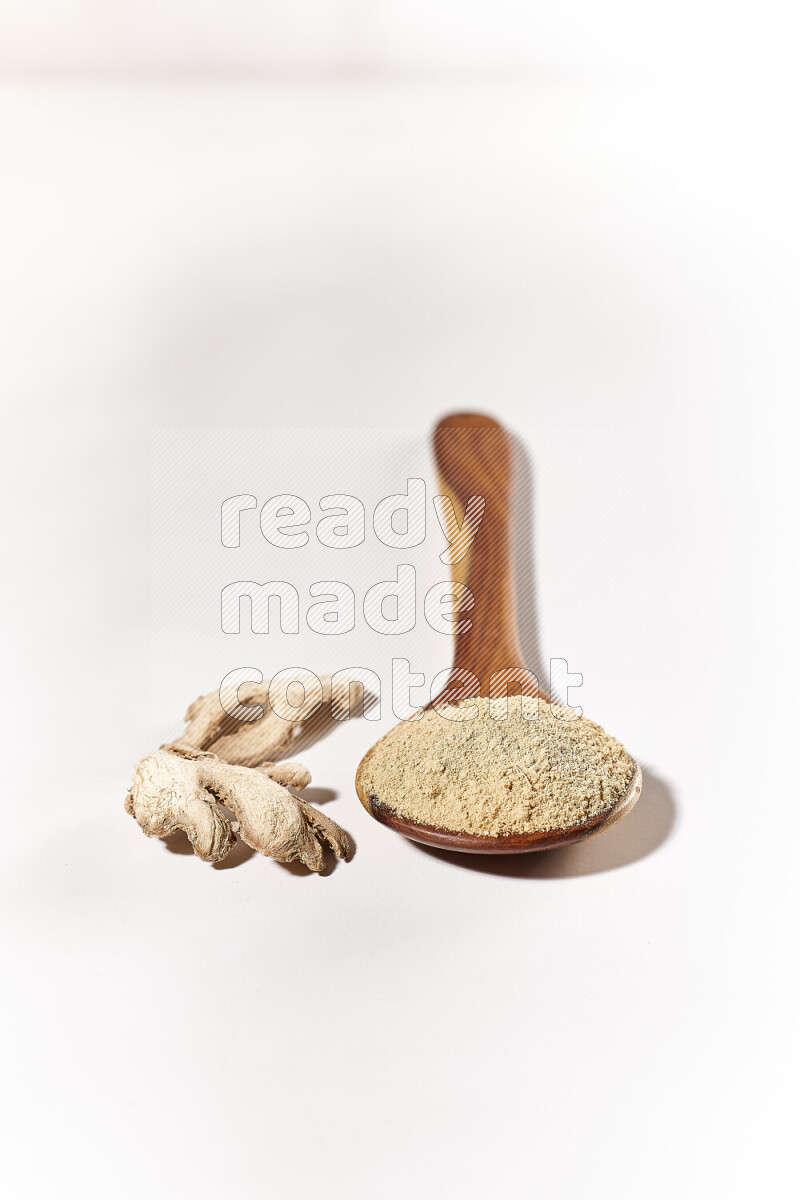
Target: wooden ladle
x,y
474,455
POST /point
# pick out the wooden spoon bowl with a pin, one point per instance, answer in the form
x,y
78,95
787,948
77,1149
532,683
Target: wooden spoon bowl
x,y
474,455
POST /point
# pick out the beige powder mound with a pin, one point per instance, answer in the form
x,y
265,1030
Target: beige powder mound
x,y
539,769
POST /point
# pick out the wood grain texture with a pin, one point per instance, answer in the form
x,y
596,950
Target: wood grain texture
x,y
475,457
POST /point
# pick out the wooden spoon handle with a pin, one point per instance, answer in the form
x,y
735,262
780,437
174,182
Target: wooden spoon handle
x,y
474,455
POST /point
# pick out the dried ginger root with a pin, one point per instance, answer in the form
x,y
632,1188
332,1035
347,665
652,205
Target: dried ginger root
x,y
181,787
168,794
184,785
251,743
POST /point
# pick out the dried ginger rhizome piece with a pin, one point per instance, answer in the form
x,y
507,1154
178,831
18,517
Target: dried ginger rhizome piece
x,y
253,739
220,781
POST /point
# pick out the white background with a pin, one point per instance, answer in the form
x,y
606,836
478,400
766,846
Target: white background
x,y
349,224
620,37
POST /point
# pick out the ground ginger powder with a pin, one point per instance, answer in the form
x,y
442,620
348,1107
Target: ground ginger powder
x,y
541,768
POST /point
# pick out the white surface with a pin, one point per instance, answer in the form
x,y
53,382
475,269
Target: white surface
x,y
601,267
694,37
